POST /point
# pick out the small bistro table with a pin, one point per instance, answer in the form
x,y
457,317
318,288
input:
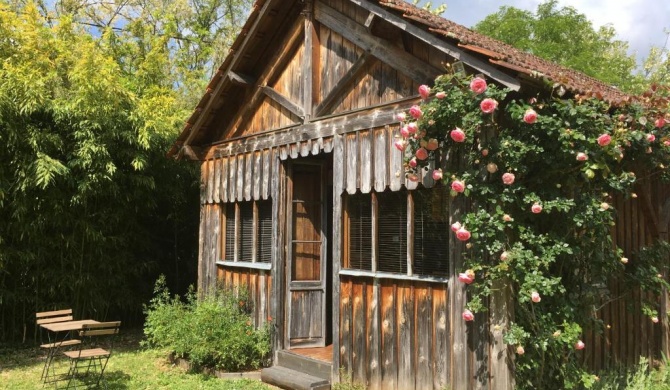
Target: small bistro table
x,y
58,333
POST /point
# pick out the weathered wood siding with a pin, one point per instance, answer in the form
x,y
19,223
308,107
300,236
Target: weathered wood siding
x,y
627,334
258,285
396,335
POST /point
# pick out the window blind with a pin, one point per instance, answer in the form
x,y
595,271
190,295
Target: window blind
x,y
392,232
360,231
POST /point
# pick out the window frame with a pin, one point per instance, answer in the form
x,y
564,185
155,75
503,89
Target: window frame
x,y
374,271
255,240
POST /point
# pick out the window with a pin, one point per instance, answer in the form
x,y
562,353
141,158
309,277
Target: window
x,y
379,227
247,232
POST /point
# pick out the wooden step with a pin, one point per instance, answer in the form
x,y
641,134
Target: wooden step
x,y
287,378
307,365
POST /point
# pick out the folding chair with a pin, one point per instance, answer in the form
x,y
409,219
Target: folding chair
x,y
93,353
51,347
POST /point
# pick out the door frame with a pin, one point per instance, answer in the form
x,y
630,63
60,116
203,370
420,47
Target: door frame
x,y
325,283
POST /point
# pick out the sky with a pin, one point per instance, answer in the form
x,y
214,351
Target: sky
x,y
639,22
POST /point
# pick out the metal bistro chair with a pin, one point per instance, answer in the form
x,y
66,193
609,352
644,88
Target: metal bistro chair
x,y
94,352
52,346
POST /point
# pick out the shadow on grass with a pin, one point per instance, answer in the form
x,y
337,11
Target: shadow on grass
x,y
116,380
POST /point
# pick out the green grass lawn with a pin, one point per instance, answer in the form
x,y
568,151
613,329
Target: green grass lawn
x,y
131,367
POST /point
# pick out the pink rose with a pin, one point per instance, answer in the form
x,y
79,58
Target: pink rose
x,y
412,163
604,206
404,132
485,152
457,135
535,297
604,139
466,278
660,122
462,234
492,167
401,116
582,156
421,153
413,177
441,95
508,178
424,91
520,350
415,112
458,186
666,142
412,127
478,85
455,226
579,345
651,137
654,319
432,144
504,256
468,316
507,218
488,105
530,116
536,208
437,174
400,144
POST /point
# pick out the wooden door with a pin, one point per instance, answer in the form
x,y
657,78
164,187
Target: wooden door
x,y
306,266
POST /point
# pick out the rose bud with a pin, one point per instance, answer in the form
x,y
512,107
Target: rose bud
x,y
468,316
530,116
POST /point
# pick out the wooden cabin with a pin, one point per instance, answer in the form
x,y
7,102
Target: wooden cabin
x,y
304,200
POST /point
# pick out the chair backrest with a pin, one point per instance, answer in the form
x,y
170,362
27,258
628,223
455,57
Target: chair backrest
x,y
49,317
100,329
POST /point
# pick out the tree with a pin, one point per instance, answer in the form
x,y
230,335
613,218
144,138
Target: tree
x,y
565,36
92,94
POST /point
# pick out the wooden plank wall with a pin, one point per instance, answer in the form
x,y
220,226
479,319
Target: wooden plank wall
x,y
627,333
258,284
395,334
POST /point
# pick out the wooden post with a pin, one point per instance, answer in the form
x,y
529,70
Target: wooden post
x,y
457,298
307,59
502,360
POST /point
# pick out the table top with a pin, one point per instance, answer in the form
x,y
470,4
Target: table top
x,y
67,325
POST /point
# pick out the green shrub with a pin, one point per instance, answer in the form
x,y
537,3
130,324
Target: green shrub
x,y
214,331
641,377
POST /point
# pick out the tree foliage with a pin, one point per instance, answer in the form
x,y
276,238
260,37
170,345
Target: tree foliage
x,y
541,177
92,94
565,36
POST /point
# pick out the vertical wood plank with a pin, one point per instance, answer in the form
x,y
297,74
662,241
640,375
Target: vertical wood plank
x,y
294,150
248,176
328,144
210,181
216,196
202,252
346,358
359,350
406,342
263,298
441,337
224,180
381,163
203,182
240,178
283,152
257,174
389,351
305,148
459,356
424,336
373,336
277,192
232,179
351,162
396,168
338,186
267,169
365,141
501,304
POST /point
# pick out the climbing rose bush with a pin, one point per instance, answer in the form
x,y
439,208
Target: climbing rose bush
x,y
538,178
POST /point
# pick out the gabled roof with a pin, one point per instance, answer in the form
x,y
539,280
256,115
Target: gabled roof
x,y
473,45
